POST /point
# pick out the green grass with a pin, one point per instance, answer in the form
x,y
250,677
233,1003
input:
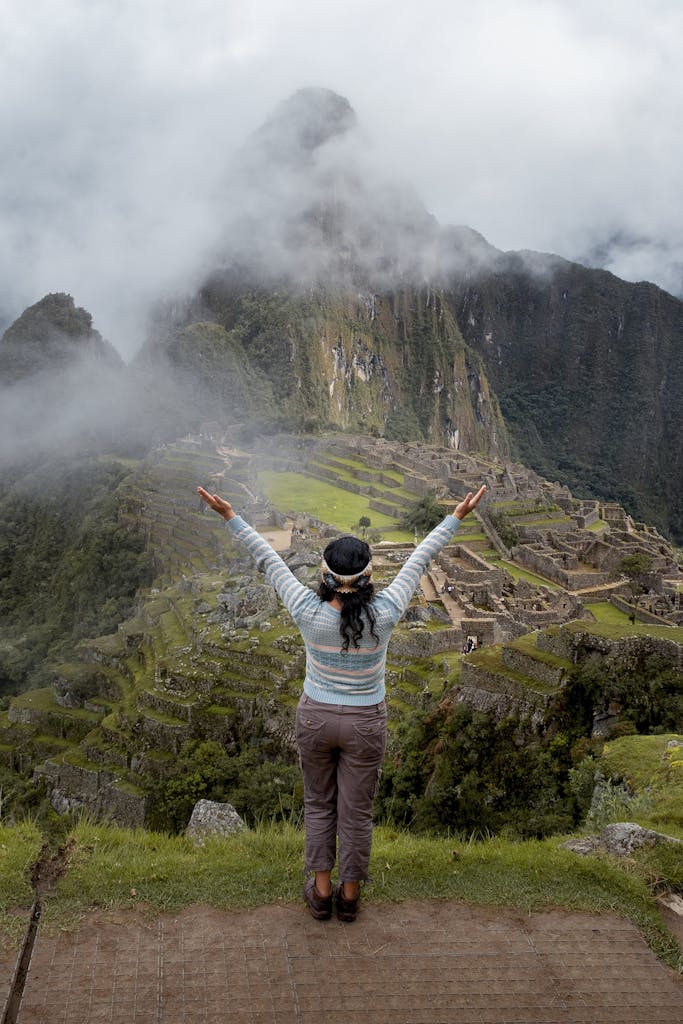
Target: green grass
x,y
605,611
546,520
654,771
19,849
44,701
113,868
490,658
518,573
527,644
294,492
623,628
20,846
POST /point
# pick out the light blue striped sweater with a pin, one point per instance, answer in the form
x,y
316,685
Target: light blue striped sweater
x,y
357,676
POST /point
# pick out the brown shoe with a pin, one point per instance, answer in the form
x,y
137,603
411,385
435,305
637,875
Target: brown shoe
x,y
347,910
319,906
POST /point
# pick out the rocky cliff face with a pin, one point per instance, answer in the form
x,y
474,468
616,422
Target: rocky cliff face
x,y
391,363
589,373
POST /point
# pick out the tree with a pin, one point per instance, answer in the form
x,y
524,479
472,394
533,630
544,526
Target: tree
x,y
635,568
364,525
425,514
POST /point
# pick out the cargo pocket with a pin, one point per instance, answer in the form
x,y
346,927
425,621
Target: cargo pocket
x,y
308,731
371,736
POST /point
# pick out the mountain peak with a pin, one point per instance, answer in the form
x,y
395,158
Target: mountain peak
x,y
303,123
50,334
307,120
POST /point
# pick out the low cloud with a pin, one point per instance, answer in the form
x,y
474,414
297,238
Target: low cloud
x,y
549,126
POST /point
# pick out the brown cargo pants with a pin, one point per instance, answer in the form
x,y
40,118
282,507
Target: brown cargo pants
x,y
341,749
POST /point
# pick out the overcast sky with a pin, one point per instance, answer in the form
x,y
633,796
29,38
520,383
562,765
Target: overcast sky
x,y
544,124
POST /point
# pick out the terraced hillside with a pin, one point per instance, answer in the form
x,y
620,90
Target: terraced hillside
x,y
210,655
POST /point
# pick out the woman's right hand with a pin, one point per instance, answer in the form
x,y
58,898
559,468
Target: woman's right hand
x,y
469,503
218,504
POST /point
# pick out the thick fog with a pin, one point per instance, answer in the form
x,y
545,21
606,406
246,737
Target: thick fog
x,y
88,407
550,125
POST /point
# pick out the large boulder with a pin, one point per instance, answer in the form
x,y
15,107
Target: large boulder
x,y
210,818
620,839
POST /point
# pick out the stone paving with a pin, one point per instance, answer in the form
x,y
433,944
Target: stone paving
x,y
409,963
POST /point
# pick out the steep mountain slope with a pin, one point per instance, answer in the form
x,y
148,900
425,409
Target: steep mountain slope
x,y
589,373
392,364
50,336
322,288
363,313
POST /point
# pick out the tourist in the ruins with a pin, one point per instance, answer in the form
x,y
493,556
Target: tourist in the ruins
x,y
341,717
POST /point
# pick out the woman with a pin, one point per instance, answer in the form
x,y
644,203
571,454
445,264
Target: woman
x,y
341,719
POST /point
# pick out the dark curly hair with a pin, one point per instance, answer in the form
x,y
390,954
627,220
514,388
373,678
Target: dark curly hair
x,y
347,556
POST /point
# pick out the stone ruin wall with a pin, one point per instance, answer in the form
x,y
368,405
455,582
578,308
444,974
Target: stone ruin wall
x,y
546,565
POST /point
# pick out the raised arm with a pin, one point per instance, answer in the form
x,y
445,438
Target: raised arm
x,y
401,589
291,591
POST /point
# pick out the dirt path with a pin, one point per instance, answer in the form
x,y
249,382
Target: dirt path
x,y
408,963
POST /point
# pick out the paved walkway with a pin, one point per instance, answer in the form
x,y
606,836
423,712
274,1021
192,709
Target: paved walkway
x,y
408,963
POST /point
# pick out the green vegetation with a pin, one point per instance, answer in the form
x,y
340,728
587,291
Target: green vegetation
x,y
73,555
607,613
503,527
259,789
650,767
341,509
613,628
456,769
20,847
573,404
518,573
113,868
424,515
636,568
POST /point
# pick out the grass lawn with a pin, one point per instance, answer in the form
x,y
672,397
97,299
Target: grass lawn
x,y
605,611
618,629
19,849
294,492
521,574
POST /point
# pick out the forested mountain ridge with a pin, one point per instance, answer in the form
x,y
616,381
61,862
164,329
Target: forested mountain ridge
x,y
589,373
391,364
51,335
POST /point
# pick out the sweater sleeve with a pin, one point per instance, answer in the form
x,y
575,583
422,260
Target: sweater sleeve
x,y
401,589
293,594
